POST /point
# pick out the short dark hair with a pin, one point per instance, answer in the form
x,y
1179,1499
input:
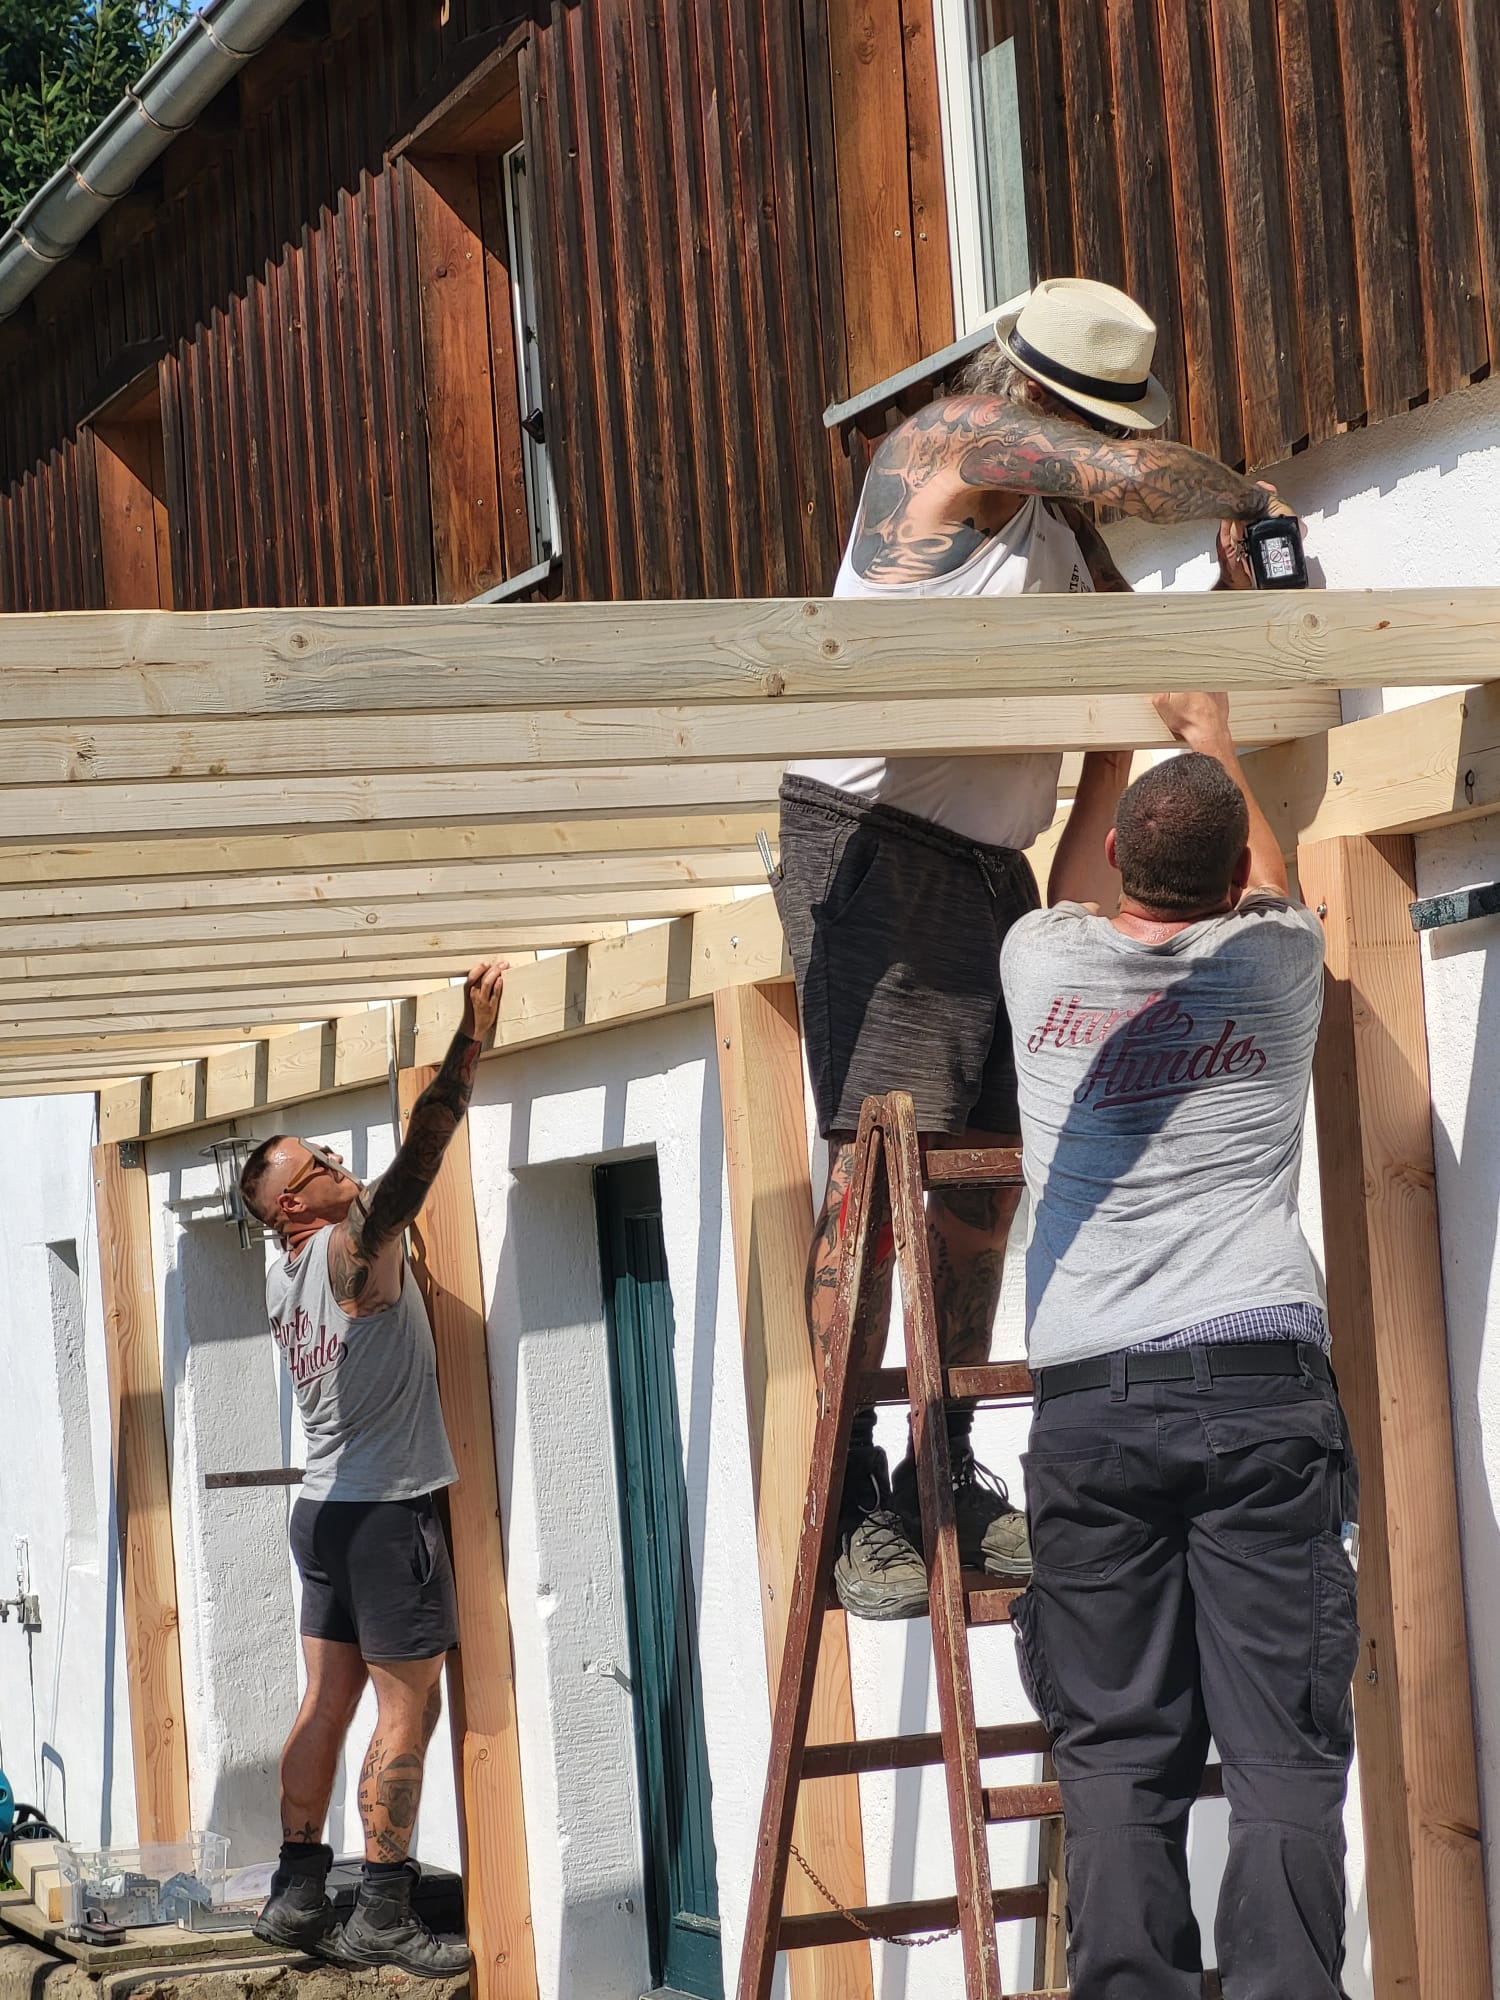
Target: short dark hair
x,y
254,1172
1179,831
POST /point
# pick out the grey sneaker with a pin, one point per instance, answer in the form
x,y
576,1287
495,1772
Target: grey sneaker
x,y
992,1533
880,1572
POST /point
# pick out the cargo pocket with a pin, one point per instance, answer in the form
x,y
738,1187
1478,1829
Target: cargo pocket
x,y
1335,1651
1275,1475
1031,1662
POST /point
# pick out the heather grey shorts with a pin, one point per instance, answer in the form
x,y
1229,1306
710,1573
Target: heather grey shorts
x,y
894,927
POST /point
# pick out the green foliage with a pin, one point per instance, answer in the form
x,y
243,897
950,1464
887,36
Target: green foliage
x,y
63,65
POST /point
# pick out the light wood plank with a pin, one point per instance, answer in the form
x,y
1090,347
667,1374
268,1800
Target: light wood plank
x,y
125,858
720,732
143,1501
1415,1722
712,868
27,942
445,1257
410,657
124,1109
771,1216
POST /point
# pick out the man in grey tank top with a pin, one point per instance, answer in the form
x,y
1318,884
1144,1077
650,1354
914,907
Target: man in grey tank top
x,y
901,876
377,1585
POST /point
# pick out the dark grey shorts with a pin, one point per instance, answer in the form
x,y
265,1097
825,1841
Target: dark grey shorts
x,y
894,927
376,1574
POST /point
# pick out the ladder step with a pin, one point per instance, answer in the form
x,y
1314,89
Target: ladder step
x,y
1006,1803
989,1602
892,1920
973,1166
994,1382
908,1753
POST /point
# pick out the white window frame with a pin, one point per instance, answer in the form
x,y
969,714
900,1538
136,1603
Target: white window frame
x,y
541,495
950,31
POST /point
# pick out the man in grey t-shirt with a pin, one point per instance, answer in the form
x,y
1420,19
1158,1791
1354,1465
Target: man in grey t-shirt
x,y
1189,1473
377,1585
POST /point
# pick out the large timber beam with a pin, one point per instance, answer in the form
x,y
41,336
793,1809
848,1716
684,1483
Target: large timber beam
x,y
420,659
1419,1781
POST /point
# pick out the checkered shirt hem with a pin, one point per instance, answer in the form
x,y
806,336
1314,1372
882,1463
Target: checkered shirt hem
x,y
1295,1322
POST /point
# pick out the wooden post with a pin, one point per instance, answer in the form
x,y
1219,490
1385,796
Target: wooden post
x,y
445,1256
771,1214
1414,1718
143,1496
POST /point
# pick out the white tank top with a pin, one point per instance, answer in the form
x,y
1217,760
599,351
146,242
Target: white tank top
x,y
1005,801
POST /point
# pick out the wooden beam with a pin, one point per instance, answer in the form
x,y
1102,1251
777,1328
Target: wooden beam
x,y
143,1500
1412,769
1423,1859
771,1215
125,858
554,738
422,657
714,867
445,1257
30,942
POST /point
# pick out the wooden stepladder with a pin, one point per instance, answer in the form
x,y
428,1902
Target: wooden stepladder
x,y
890,1175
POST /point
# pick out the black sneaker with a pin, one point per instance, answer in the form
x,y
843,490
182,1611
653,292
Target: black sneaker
x,y
383,1929
992,1534
298,1915
880,1572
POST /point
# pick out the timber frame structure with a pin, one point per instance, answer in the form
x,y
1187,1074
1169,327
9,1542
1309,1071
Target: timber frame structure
x,y
227,836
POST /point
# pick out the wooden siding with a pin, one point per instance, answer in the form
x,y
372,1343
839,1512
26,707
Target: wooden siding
x,y
1300,191
739,215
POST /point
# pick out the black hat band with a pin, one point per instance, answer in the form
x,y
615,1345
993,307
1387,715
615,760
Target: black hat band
x,y
1072,378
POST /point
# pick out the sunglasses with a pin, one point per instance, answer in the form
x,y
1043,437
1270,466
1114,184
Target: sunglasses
x,y
321,1162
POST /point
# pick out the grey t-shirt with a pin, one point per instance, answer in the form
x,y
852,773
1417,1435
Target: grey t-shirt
x,y
367,1387
1163,1089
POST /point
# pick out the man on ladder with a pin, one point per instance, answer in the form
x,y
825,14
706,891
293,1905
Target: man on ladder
x,y
901,876
1189,1479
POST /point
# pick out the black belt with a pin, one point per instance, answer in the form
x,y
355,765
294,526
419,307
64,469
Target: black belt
x,y
1241,1357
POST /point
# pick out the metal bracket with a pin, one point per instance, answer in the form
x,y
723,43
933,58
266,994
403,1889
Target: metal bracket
x,y
1437,912
276,1475
130,1153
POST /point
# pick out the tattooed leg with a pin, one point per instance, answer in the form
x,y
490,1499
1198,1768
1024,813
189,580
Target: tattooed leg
x,y
967,1229
390,1785
335,1682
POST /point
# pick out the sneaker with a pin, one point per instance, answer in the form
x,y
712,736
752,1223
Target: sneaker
x,y
298,1915
880,1572
383,1929
992,1534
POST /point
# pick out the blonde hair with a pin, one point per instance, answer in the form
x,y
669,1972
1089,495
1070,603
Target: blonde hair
x,y
991,372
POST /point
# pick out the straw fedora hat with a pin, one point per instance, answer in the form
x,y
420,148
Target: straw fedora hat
x,y
1089,343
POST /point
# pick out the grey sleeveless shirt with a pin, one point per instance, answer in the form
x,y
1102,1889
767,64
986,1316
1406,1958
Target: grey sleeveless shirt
x,y
367,1387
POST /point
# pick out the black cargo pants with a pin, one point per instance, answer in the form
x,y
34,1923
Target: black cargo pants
x,y
1190,1582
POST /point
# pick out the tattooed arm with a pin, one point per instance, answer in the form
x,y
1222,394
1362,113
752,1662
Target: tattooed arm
x,y
1092,545
364,1255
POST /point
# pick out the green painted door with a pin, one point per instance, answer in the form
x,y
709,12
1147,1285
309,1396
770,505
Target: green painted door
x,y
682,1884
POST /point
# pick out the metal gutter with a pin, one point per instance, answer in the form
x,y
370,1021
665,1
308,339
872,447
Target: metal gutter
x,y
214,46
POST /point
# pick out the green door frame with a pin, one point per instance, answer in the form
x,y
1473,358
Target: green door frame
x,y
681,1864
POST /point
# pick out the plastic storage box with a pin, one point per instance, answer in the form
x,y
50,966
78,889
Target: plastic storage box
x,y
155,1883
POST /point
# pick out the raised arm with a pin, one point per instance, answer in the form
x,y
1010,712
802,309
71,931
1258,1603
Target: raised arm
x,y
1080,871
364,1256
1201,722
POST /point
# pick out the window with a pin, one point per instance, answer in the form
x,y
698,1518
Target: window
x,y
493,512
135,542
981,110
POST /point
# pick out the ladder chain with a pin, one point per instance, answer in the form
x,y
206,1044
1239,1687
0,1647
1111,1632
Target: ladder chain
x,y
878,1937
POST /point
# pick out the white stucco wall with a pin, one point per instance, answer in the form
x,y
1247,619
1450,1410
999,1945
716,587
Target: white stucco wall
x,y
64,1714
